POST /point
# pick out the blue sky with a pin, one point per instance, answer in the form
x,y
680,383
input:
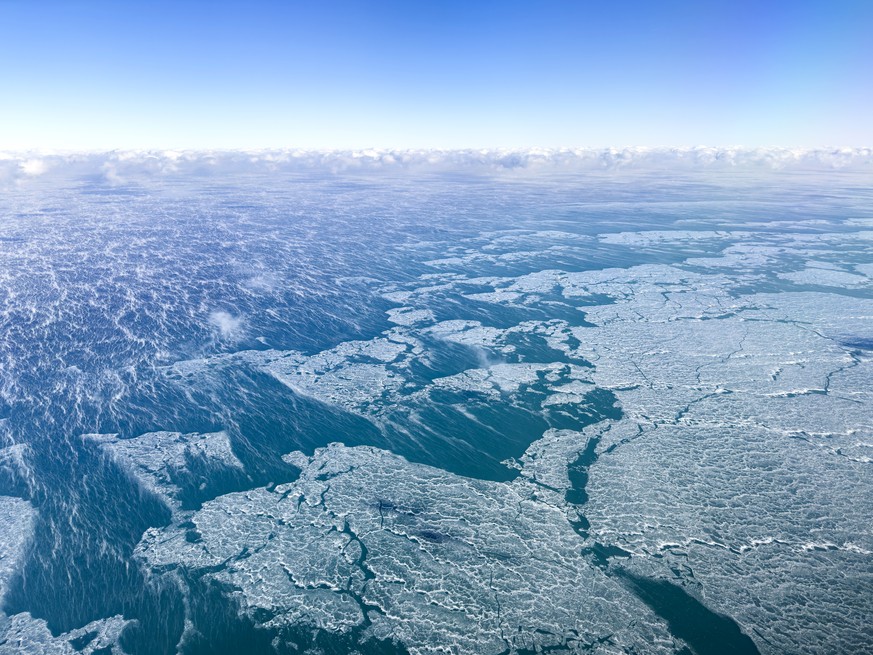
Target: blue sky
x,y
416,74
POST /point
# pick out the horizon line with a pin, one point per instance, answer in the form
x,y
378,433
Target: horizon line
x,y
120,166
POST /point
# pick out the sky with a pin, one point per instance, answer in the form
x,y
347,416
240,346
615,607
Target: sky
x,y
328,74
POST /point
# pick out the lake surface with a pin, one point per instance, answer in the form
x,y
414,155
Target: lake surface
x,y
436,411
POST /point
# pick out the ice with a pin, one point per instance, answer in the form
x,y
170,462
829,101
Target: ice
x,y
16,467
745,431
342,375
748,440
163,462
675,237
410,316
546,461
826,277
560,396
471,333
500,378
22,634
735,510
743,415
16,530
366,540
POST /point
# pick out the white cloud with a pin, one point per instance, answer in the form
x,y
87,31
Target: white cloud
x,y
33,166
229,326
135,166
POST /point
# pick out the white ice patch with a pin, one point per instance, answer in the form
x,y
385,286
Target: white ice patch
x,y
22,634
865,269
440,562
409,316
154,459
826,277
673,237
17,518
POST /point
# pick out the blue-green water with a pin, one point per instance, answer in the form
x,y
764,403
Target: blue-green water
x,y
382,413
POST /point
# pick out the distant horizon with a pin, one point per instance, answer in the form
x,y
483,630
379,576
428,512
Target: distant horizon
x,y
132,166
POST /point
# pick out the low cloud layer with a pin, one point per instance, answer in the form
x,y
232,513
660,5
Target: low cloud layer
x,y
120,167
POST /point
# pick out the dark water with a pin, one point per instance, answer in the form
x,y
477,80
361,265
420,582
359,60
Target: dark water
x,y
706,632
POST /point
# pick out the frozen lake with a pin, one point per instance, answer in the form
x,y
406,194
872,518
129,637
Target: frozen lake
x,y
607,403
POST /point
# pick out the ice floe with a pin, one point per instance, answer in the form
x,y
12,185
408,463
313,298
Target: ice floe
x,y
366,540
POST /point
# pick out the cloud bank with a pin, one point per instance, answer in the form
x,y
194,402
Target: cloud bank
x,y
118,167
